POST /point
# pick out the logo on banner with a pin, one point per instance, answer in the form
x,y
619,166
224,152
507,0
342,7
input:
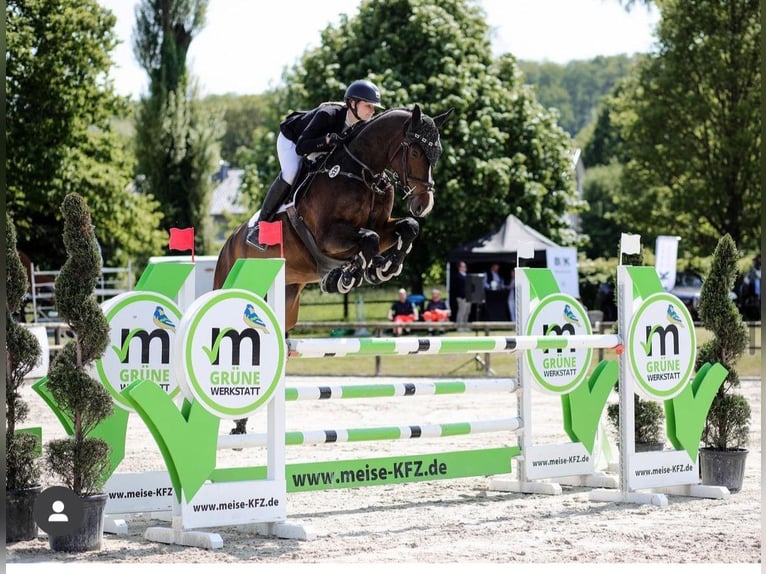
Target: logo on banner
x,y
662,345
231,352
559,370
142,329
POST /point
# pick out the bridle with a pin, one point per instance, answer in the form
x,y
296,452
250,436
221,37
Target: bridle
x,y
427,186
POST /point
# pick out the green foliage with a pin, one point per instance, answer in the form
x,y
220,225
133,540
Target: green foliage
x,y
648,417
592,273
60,130
22,461
79,460
80,464
22,352
176,138
691,126
503,151
605,144
242,117
575,89
602,184
726,424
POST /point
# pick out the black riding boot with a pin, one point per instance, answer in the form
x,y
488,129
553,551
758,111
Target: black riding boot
x,y
274,198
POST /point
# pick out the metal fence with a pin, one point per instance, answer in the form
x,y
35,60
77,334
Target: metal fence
x,y
41,299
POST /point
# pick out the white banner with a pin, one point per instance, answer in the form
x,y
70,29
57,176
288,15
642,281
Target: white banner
x,y
666,254
562,261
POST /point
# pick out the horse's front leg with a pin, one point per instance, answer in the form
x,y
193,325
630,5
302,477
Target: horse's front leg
x,y
389,264
343,279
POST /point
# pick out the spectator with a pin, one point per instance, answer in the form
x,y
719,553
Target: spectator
x,y
463,305
436,308
494,281
402,311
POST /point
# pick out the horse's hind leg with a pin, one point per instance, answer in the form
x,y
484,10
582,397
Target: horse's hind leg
x,y
389,265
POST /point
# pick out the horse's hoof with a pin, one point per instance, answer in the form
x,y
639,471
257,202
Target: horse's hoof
x,y
347,282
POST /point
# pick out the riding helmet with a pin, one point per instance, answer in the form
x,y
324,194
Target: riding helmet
x,y
365,91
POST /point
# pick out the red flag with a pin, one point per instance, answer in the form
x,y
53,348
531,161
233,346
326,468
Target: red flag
x,y
270,233
182,239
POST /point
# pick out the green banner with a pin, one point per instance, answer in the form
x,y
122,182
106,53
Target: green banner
x,y
337,474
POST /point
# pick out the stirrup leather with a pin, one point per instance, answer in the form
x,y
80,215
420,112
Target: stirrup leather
x,y
252,237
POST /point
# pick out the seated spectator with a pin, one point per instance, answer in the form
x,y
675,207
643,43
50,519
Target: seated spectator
x,y
436,308
402,311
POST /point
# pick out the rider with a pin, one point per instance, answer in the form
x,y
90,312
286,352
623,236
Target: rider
x,y
305,133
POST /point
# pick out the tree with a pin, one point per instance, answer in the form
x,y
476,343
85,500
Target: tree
x,y
59,110
242,116
576,88
80,460
727,424
503,152
692,127
176,147
602,184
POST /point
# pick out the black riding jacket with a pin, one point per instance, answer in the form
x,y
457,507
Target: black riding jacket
x,y
309,129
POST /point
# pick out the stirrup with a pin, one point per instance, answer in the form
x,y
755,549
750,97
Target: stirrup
x,y
252,238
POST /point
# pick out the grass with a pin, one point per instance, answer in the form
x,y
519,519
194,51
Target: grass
x,y
364,304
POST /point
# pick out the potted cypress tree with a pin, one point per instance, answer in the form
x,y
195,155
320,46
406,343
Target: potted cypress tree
x,y
725,436
22,351
648,418
80,461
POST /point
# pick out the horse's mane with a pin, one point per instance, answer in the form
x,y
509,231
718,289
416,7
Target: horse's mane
x,y
427,134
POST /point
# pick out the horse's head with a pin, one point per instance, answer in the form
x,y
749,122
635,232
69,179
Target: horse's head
x,y
420,150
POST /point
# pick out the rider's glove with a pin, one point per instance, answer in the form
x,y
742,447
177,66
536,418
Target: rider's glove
x,y
335,139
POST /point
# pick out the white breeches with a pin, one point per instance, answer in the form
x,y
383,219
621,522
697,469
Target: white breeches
x,y
289,161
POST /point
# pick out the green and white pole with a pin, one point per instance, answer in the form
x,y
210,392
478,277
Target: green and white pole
x,y
408,389
434,430
360,347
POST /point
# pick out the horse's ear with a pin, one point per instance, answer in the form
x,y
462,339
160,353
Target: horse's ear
x,y
415,117
441,118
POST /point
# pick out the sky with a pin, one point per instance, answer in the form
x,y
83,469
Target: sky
x,y
244,48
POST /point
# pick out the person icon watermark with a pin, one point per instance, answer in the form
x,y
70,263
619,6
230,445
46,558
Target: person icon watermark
x,y
58,515
58,511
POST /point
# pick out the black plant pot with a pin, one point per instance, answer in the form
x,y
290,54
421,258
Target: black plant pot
x,y
723,467
19,514
91,531
649,446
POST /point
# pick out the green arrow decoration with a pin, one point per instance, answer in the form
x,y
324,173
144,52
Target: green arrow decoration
x,y
113,429
255,276
164,278
188,439
686,413
583,406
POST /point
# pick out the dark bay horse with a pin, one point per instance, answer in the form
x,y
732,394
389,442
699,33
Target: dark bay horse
x,y
340,232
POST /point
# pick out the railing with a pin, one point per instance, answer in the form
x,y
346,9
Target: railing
x,y
42,290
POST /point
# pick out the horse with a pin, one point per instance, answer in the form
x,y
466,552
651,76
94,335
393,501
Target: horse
x,y
338,229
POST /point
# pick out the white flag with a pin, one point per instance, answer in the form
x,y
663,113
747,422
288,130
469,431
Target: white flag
x,y
630,244
525,250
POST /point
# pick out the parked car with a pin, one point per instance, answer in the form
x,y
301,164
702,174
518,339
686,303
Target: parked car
x,y
688,287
